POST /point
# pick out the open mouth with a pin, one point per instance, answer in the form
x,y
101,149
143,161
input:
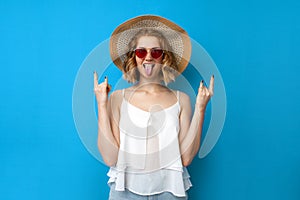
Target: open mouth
x,y
148,68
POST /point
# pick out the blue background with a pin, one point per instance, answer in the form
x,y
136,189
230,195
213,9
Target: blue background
x,y
255,45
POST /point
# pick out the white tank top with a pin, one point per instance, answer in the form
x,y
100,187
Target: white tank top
x,y
149,160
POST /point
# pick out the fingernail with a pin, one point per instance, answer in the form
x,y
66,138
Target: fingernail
x,y
105,77
202,81
213,76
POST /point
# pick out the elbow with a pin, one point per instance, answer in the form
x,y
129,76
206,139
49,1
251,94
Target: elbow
x,y
186,162
108,158
109,162
188,157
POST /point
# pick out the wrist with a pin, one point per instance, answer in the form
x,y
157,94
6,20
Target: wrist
x,y
200,107
102,105
200,110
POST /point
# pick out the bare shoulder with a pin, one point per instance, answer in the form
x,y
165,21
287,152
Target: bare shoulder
x,y
183,97
185,102
116,94
116,98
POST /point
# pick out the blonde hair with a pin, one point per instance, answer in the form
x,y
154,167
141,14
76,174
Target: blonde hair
x,y
169,66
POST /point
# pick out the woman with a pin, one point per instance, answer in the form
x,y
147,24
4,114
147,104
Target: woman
x,y
147,132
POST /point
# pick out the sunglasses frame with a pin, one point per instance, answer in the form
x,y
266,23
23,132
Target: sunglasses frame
x,y
151,52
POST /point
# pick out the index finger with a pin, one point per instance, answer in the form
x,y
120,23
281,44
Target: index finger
x,y
211,84
95,79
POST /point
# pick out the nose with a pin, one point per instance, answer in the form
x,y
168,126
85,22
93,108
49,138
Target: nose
x,y
148,55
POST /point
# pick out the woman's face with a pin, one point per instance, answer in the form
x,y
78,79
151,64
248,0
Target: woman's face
x,y
149,66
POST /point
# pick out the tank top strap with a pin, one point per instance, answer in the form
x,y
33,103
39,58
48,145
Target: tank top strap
x,y
123,93
177,94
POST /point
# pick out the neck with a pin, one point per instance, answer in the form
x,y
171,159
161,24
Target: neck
x,y
149,86
150,81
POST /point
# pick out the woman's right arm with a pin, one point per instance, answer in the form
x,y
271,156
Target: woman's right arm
x,y
108,117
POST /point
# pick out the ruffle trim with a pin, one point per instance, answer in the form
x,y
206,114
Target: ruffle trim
x,y
125,180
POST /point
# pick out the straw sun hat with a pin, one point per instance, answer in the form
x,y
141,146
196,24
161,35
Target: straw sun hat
x,y
176,36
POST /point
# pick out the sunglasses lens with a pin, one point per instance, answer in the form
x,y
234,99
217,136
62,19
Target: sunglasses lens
x,y
141,53
156,53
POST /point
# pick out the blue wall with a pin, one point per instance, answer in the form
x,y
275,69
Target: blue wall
x,y
255,45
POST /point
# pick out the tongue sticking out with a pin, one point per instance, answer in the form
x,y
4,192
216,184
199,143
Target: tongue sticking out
x,y
148,69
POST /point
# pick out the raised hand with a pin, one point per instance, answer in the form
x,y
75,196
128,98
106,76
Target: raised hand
x,y
204,94
101,90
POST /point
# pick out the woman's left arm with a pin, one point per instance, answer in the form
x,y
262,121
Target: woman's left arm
x,y
191,129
